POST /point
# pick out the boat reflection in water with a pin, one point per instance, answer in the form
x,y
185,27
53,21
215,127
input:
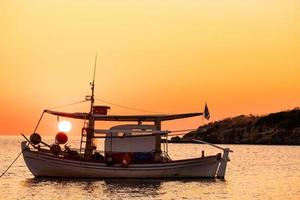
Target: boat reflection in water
x,y
109,188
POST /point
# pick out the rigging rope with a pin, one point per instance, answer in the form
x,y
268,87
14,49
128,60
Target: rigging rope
x,y
70,104
11,164
38,122
127,107
111,103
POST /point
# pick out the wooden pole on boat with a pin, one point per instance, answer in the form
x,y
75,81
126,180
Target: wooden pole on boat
x,y
157,153
93,86
90,130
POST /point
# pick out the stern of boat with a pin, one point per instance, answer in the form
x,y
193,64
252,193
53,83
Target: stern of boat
x,y
223,164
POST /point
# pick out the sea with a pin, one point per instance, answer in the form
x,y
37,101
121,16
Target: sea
x,y
254,172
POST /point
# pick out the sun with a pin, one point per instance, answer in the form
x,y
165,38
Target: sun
x,y
64,126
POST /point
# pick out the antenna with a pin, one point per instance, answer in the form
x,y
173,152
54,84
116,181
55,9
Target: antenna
x,y
93,84
91,125
95,68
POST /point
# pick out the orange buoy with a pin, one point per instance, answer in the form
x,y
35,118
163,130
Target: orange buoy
x,y
61,138
126,160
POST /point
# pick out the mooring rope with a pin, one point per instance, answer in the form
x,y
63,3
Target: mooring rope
x,y
11,163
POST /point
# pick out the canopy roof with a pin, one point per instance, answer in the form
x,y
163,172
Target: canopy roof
x,y
144,118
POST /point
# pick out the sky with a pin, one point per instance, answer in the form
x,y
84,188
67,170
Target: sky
x,y
241,57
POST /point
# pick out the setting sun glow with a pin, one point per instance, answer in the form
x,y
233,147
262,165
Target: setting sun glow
x,y
64,126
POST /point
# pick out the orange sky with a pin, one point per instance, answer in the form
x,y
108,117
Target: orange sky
x,y
241,57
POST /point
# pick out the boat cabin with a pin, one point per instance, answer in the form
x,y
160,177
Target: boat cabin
x,y
140,142
122,139
133,140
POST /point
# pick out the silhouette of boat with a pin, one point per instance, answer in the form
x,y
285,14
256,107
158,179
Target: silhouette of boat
x,y
131,150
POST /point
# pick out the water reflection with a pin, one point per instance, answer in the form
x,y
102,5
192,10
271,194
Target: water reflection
x,y
114,188
64,187
113,182
38,181
135,188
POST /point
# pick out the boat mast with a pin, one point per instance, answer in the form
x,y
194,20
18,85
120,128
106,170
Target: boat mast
x,y
93,86
91,126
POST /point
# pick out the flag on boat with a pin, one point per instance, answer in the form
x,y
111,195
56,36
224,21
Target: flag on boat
x,y
206,112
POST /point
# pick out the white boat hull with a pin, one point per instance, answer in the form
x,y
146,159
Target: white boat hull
x,y
47,165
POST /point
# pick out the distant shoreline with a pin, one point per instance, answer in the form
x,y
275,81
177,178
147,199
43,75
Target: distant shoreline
x,y
281,128
192,142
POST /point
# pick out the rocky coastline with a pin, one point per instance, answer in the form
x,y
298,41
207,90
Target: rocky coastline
x,y
281,128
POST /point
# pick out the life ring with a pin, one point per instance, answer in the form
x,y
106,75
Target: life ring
x,y
126,160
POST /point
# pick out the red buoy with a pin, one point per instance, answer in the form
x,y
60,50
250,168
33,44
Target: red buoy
x,y
61,138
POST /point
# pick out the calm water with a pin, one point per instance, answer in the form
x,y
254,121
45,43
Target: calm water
x,y
255,172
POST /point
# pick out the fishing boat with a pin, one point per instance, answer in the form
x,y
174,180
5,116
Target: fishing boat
x,y
136,149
